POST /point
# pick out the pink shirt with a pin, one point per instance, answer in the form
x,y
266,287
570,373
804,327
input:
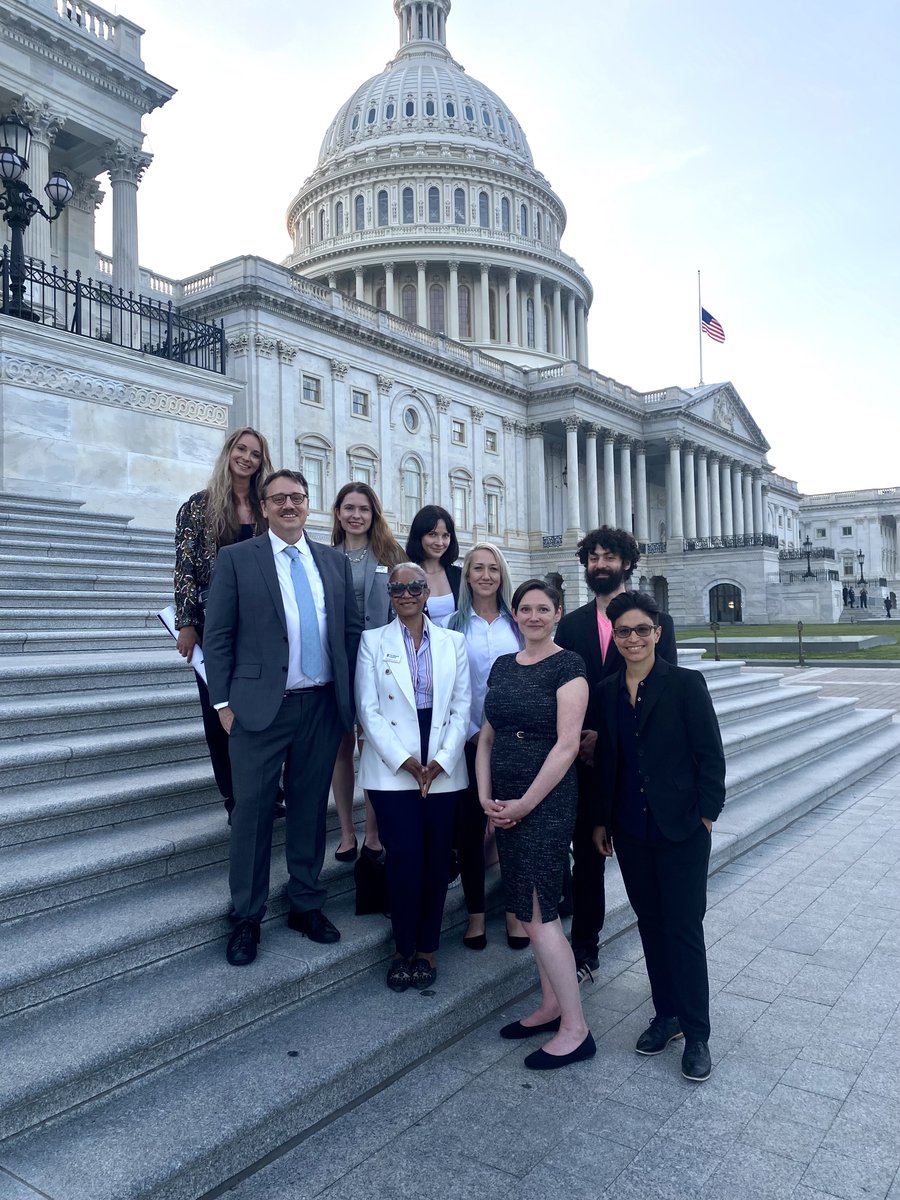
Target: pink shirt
x,y
604,628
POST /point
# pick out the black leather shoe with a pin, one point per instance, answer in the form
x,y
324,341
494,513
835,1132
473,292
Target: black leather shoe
x,y
314,925
658,1034
423,974
540,1060
696,1064
399,976
242,944
515,1031
475,941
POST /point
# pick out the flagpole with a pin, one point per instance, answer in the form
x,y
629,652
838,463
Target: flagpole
x,y
700,326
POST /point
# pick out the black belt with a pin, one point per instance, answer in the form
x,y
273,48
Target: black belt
x,y
316,687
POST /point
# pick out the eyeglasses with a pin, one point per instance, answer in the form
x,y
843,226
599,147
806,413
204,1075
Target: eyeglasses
x,y
623,632
296,498
415,588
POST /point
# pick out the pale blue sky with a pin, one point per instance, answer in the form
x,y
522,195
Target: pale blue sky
x,y
757,142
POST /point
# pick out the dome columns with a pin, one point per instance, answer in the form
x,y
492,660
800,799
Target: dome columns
x,y
422,20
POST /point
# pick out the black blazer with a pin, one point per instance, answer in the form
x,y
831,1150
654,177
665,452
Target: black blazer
x,y
245,641
680,751
578,631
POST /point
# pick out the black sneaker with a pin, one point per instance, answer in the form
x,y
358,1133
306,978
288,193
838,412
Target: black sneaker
x,y
696,1064
658,1034
586,963
241,950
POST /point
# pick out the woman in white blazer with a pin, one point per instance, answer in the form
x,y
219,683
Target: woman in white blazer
x,y
412,700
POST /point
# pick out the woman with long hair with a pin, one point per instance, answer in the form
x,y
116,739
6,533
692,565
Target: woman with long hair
x,y
525,765
432,544
484,618
360,530
228,510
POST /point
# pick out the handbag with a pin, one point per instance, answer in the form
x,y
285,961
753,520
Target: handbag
x,y
370,877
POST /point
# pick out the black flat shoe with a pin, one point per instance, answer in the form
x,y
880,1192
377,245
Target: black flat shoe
x,y
423,974
540,1060
242,944
348,855
314,925
517,943
515,1031
399,976
476,941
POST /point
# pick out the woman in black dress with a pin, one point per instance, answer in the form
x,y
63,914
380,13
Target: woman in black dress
x,y
534,710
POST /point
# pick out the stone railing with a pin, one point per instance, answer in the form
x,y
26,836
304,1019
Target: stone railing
x,y
551,541
736,541
799,555
121,36
652,547
820,576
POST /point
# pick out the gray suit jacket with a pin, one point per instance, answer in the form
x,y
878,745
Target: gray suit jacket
x,y
377,602
245,641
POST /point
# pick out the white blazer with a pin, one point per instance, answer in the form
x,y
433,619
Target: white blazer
x,y
386,709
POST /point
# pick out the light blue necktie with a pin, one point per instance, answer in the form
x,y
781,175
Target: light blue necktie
x,y
310,643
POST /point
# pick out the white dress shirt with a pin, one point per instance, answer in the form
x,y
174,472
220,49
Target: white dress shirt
x,y
295,676
485,642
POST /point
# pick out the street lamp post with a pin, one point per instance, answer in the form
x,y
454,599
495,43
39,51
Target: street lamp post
x,y
861,558
807,546
19,205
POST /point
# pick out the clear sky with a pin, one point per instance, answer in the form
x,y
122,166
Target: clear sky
x,y
755,142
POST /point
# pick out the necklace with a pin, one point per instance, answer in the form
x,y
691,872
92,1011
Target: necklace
x,y
362,554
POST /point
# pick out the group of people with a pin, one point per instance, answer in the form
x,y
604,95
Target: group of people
x,y
476,708
849,597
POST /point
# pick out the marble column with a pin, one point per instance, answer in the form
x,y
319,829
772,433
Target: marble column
x,y
537,488
702,494
727,510
748,502
759,512
570,321
690,494
514,308
581,320
540,341
627,517
45,125
642,513
126,166
485,302
573,507
609,478
592,515
421,294
737,500
390,297
360,291
453,315
715,498
676,518
557,320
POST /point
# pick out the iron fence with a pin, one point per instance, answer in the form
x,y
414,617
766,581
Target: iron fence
x,y
735,541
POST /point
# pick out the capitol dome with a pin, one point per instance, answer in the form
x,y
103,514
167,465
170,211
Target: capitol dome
x,y
426,203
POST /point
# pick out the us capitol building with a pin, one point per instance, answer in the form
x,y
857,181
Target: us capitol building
x,y
426,333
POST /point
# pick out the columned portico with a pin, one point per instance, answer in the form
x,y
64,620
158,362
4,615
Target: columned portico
x,y
360,283
573,507
676,518
571,327
514,308
537,504
539,335
421,294
715,496
557,320
690,499
642,518
453,323
702,493
592,515
748,502
126,166
390,295
609,478
727,510
485,294
627,518
581,322
737,500
45,125
759,511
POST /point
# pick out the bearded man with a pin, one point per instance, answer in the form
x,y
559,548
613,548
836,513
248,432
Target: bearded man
x,y
609,557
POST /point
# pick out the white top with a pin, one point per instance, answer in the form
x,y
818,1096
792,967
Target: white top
x,y
295,676
485,642
441,607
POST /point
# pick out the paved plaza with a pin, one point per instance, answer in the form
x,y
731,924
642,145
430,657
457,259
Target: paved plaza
x,y
804,1101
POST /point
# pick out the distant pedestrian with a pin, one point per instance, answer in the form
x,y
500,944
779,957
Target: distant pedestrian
x,y
845,592
863,598
887,605
851,597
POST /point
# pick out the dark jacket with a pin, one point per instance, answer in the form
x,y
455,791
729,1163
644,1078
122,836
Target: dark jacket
x,y
680,753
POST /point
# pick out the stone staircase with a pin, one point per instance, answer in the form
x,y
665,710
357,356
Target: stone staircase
x,y
135,1062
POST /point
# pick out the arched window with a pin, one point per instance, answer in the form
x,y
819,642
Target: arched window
x,y
339,218
450,109
354,123
390,111
486,118
411,481
492,315
371,115
465,311
436,309
408,299
430,109
469,112
381,298
359,212
321,224
461,498
434,205
483,210
309,231
538,226
459,206
504,215
548,325
408,209
529,321
409,108
523,220
382,208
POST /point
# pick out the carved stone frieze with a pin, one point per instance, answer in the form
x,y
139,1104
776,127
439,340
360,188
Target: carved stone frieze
x,y
723,413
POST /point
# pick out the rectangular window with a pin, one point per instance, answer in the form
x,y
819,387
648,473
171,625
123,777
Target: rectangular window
x,y
359,473
820,533
312,389
314,470
848,566
360,403
460,515
847,531
490,441
492,506
458,433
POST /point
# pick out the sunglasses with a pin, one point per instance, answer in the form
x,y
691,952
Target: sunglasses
x,y
415,589
623,632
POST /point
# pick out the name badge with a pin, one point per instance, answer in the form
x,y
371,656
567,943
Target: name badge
x,y
395,658
381,569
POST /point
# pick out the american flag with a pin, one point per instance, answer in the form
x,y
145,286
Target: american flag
x,y
711,326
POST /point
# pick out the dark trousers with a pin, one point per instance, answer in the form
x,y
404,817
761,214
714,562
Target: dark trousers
x,y
666,886
217,742
471,822
303,739
588,866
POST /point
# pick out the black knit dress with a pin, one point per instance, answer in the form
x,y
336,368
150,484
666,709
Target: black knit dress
x,y
521,706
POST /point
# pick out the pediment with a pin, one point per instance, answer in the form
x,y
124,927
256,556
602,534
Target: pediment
x,y
720,405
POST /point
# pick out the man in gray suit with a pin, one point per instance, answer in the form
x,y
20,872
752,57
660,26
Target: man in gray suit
x,y
281,635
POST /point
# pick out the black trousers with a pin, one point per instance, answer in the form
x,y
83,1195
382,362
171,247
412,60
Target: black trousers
x,y
471,822
217,742
303,739
588,866
666,886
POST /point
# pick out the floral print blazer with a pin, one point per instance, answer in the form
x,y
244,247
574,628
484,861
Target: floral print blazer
x,y
195,557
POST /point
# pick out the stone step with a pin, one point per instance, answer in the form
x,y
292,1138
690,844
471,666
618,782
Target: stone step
x,y
796,722
33,509
82,599
45,641
70,712
84,526
43,538
82,671
41,760
131,579
36,620
734,708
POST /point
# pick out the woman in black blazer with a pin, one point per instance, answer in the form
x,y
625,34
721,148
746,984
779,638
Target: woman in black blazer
x,y
660,771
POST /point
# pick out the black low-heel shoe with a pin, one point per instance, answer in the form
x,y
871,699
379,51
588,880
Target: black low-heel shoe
x,y
515,1031
477,941
540,1060
348,855
517,943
